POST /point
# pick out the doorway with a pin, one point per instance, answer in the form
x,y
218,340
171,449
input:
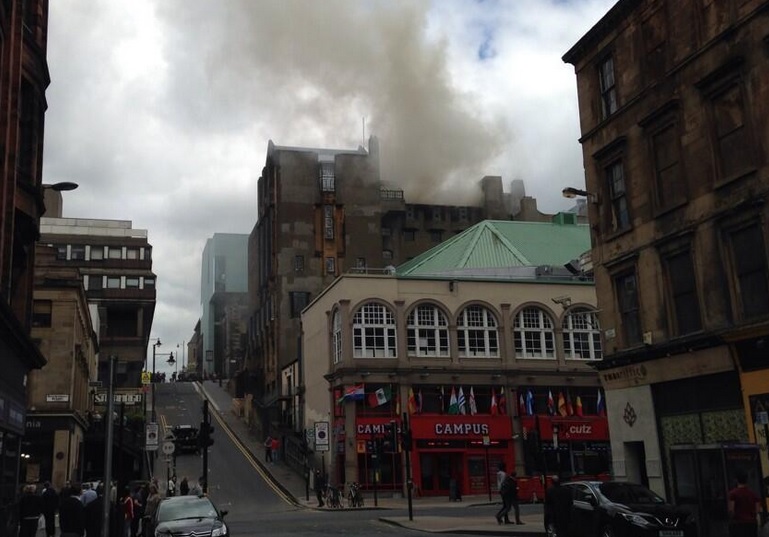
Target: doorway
x,y
635,463
437,470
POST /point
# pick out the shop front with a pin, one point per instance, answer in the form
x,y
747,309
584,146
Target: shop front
x,y
379,459
459,454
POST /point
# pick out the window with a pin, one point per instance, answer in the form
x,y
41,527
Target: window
x,y
581,335
615,178
360,263
626,289
533,334
336,337
409,235
608,87
132,282
462,213
427,331
298,263
132,253
387,254
410,213
732,137
328,222
77,253
115,252
327,177
437,214
330,266
750,270
113,282
61,252
149,283
436,235
41,313
95,282
97,253
670,186
386,231
682,285
373,332
299,300
477,333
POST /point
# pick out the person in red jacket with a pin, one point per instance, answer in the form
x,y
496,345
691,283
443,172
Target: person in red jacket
x,y
128,511
743,508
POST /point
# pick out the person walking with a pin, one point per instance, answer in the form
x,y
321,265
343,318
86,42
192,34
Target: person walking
x,y
30,509
558,503
151,507
71,513
268,449
503,513
184,487
171,490
50,506
275,448
743,509
514,500
138,510
127,504
320,487
93,513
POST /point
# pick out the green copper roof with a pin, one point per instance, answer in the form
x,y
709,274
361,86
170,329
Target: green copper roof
x,y
502,249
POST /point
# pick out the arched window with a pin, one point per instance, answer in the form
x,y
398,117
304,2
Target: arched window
x,y
336,337
582,335
428,331
373,332
477,333
533,334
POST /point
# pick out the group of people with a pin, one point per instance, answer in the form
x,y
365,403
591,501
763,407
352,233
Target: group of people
x,y
184,487
507,486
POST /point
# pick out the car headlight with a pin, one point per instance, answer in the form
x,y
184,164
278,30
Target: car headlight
x,y
637,520
219,531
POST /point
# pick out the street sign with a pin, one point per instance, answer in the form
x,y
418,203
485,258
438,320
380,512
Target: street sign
x,y
152,438
321,436
168,448
100,398
146,377
94,384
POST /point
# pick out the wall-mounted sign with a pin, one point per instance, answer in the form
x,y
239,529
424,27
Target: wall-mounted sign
x,y
321,436
100,398
57,398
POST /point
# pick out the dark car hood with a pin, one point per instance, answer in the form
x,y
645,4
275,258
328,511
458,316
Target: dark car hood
x,y
660,510
200,526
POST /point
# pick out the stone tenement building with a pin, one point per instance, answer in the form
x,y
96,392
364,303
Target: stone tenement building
x,y
673,101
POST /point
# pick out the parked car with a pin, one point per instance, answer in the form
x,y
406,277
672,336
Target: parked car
x,y
185,438
189,515
619,509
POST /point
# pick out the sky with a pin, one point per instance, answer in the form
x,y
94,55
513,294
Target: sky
x,y
162,110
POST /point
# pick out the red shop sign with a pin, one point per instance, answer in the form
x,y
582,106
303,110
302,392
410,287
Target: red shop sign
x,y
595,428
453,427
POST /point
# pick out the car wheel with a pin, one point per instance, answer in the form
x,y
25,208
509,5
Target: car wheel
x,y
607,532
550,530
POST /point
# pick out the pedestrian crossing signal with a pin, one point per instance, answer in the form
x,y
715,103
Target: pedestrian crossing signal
x,y
204,438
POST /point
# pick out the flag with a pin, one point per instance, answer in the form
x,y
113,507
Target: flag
x,y
493,410
569,406
379,397
529,403
461,403
473,407
419,402
453,405
354,393
502,402
578,409
550,403
521,405
412,401
443,399
600,405
561,404
397,403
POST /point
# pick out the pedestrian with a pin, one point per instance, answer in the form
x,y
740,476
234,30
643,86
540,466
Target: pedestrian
x,y
88,494
320,487
503,513
71,513
171,490
138,508
150,508
743,508
184,487
127,504
268,449
50,506
30,509
514,500
275,448
558,503
196,489
93,514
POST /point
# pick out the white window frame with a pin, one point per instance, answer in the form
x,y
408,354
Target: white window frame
x,y
477,333
427,329
581,332
374,333
534,334
336,337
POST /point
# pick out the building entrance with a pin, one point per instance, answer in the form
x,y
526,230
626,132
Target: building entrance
x,y
437,470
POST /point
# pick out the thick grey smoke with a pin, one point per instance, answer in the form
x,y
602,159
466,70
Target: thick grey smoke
x,y
308,72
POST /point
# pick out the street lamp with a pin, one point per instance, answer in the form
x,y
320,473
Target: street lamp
x,y
62,186
172,362
571,192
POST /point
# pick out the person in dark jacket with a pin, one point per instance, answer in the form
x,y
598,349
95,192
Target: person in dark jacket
x,y
558,503
184,487
71,513
94,514
50,506
30,509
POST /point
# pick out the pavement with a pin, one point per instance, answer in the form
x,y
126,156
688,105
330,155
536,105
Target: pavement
x,y
475,514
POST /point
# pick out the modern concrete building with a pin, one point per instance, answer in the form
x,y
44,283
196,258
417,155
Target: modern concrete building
x,y
322,213
223,298
485,342
24,78
674,106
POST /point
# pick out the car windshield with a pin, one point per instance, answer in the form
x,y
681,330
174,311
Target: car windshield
x,y
628,493
188,508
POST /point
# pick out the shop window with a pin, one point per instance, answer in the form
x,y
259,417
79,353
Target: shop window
x,y
427,331
374,332
533,334
41,313
626,290
581,335
336,337
477,333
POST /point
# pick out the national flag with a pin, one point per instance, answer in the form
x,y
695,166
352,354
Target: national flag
x,y
353,393
494,409
578,409
529,403
473,407
600,405
561,404
453,405
569,406
443,399
521,405
502,401
419,402
461,403
379,396
550,403
412,401
397,403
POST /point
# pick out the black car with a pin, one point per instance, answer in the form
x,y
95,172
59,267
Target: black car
x,y
189,515
185,438
619,509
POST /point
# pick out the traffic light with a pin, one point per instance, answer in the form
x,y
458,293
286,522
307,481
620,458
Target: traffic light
x,y
204,438
391,437
406,440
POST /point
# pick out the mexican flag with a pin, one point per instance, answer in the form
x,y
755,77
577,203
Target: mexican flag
x,y
379,397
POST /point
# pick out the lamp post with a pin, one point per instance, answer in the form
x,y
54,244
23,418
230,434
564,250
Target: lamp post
x,y
172,362
571,192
